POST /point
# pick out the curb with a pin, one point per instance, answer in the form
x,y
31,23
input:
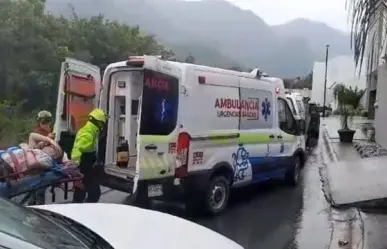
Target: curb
x,y
328,143
347,225
326,158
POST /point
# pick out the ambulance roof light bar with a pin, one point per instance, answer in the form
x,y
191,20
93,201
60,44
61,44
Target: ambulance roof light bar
x,y
258,73
138,61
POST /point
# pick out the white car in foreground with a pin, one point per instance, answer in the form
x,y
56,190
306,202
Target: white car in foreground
x,y
101,226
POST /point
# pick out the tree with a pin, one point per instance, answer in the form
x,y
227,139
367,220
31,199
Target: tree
x,y
190,59
288,83
364,15
33,43
298,82
236,68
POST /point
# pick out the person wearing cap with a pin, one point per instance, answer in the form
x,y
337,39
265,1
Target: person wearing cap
x,y
84,154
43,124
43,127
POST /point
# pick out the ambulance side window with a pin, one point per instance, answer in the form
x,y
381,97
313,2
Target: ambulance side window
x,y
287,123
159,106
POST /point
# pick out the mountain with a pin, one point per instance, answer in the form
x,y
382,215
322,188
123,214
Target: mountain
x,y
317,34
217,33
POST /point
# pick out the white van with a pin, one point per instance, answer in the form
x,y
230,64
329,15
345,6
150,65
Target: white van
x,y
193,132
297,104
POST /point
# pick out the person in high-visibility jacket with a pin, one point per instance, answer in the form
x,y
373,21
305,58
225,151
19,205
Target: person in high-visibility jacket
x,y
84,154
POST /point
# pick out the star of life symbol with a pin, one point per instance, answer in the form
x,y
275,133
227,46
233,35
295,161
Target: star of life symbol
x,y
266,109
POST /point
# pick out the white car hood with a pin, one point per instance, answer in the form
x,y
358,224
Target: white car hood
x,y
127,227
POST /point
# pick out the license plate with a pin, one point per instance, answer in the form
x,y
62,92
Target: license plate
x,y
155,190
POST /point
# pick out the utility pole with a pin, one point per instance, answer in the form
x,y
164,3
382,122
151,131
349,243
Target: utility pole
x,y
325,80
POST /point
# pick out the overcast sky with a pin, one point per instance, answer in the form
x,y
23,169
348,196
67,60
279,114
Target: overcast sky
x,y
331,12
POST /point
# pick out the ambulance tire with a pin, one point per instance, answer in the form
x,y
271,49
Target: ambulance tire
x,y
138,200
293,175
142,203
217,194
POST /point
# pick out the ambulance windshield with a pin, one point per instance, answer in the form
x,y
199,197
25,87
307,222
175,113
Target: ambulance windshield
x,y
159,104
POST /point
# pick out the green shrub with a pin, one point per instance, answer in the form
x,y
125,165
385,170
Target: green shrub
x,y
348,99
14,125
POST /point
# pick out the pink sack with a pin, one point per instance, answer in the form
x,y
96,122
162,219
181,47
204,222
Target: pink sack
x,y
22,160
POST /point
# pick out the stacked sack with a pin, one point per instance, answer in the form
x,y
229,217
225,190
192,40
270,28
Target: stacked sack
x,y
22,160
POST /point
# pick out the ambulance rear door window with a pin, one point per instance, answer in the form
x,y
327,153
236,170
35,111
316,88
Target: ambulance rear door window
x,y
159,103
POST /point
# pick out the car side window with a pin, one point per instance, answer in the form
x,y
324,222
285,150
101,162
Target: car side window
x,y
301,107
292,105
286,121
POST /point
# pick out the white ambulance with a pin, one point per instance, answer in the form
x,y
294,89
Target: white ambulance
x,y
191,132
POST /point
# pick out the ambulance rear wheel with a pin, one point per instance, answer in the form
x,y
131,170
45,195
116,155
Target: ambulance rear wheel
x,y
138,199
217,194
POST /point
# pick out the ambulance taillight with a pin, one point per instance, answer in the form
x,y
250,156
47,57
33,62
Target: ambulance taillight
x,y
183,143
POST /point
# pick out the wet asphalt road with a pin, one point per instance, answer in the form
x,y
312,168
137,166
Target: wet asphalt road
x,y
263,216
271,215
274,215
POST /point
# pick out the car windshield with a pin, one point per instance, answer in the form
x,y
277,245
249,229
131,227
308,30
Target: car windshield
x,y
87,236
29,226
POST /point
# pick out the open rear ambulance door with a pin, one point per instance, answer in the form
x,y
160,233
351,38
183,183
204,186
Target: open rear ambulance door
x,y
159,126
79,86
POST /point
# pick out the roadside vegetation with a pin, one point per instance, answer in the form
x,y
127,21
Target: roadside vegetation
x,y
33,43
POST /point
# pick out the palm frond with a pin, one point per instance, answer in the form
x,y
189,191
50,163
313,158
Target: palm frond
x,y
364,15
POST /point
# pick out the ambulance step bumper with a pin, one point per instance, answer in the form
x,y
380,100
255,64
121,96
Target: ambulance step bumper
x,y
117,183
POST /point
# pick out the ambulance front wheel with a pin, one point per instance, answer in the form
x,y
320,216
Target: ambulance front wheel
x,y
292,176
217,194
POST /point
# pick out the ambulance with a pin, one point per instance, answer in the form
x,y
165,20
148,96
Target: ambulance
x,y
189,132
